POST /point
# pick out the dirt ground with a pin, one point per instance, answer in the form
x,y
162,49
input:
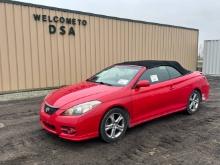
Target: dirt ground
x,y
175,139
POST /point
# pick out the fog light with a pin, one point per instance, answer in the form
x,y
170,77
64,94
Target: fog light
x,y
68,130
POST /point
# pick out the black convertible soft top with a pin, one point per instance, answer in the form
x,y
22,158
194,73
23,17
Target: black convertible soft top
x,y
154,63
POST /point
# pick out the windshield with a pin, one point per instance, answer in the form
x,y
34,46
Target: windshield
x,y
118,75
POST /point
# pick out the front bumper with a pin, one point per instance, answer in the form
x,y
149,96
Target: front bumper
x,y
75,128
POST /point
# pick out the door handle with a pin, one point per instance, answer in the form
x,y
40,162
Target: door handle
x,y
171,87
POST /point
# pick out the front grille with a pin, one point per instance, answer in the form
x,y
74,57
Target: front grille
x,y
49,110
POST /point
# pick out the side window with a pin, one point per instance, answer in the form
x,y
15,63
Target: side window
x,y
155,75
173,72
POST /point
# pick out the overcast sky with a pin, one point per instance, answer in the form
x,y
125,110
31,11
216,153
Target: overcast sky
x,y
201,14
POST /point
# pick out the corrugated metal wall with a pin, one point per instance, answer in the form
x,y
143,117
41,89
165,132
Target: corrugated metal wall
x,y
32,58
211,59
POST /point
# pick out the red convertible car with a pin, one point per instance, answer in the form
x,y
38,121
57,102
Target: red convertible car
x,y
122,96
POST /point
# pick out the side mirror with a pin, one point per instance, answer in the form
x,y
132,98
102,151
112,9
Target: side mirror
x,y
142,83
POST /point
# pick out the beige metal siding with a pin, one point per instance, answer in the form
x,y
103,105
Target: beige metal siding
x,y
31,58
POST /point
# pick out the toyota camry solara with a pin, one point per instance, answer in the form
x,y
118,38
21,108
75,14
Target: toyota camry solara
x,y
122,96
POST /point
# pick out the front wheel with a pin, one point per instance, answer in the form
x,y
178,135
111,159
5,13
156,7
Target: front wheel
x,y
193,102
114,125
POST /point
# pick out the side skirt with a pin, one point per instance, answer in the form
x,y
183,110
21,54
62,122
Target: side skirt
x,y
155,117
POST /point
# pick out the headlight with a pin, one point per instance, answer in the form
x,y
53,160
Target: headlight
x,y
81,108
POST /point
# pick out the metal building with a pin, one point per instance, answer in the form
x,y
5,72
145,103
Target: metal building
x,y
211,59
43,47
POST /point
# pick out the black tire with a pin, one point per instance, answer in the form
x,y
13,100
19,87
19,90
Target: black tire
x,y
190,110
106,129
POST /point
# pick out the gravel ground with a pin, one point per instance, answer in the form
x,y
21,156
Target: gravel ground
x,y
175,139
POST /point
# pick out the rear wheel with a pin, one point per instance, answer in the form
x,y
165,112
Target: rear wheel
x,y
114,125
193,102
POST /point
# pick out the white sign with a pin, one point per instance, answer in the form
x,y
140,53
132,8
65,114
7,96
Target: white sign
x,y
153,78
123,81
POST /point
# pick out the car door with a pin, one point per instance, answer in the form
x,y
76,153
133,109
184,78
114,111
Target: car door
x,y
153,100
179,86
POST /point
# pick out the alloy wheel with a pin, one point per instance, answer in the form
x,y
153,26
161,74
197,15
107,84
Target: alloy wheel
x,y
114,125
194,102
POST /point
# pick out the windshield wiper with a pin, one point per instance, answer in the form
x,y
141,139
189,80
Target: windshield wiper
x,y
100,82
104,83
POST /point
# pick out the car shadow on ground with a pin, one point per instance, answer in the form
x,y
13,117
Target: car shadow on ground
x,y
130,131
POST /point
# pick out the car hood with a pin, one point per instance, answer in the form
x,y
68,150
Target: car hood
x,y
85,91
